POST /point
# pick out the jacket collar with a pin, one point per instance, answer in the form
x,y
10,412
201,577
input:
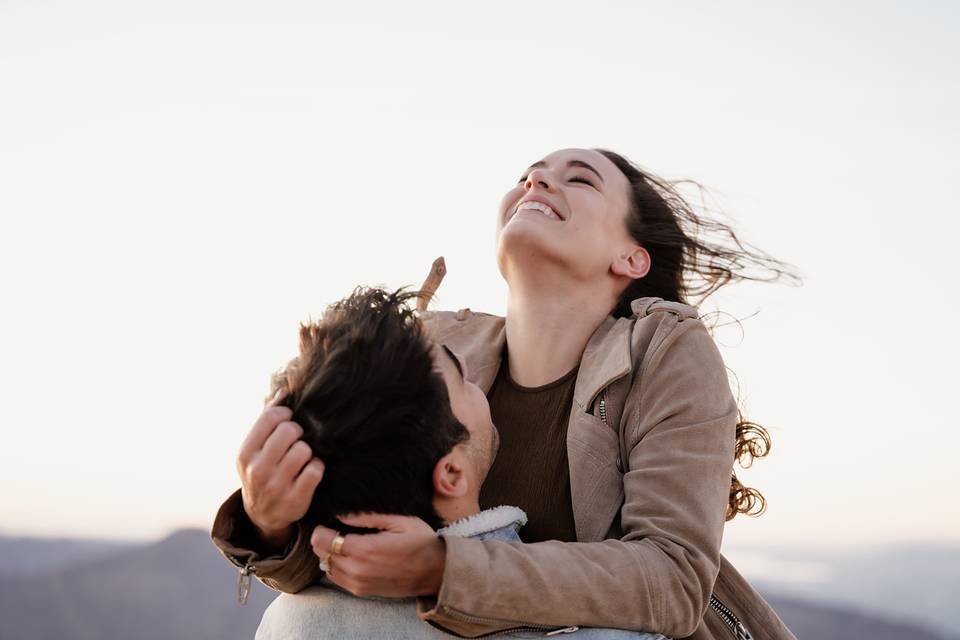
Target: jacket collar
x,y
596,490
480,339
486,521
606,358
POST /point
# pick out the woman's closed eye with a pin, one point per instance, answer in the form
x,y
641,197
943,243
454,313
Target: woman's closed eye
x,y
573,179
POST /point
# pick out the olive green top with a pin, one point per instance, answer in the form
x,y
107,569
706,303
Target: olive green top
x,y
531,469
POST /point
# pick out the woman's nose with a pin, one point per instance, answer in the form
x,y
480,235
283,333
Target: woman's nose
x,y
539,178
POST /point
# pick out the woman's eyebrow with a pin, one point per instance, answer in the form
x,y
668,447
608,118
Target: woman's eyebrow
x,y
456,362
571,163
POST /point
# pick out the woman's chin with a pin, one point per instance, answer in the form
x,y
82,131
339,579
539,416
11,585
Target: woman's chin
x,y
525,246
529,228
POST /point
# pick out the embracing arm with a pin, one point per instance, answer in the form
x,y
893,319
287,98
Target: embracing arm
x,y
258,527
659,575
289,569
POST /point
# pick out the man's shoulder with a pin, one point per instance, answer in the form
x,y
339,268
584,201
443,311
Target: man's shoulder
x,y
326,611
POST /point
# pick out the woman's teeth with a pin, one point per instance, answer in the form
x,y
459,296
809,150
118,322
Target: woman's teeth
x,y
542,208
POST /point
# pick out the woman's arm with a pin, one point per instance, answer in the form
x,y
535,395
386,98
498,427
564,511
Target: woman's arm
x,y
257,527
659,575
289,569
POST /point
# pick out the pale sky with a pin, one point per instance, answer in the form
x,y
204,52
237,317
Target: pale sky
x,y
182,184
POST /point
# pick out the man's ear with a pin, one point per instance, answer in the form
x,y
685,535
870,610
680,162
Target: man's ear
x,y
450,476
633,262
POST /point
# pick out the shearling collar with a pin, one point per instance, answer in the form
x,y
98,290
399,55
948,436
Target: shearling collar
x,y
486,521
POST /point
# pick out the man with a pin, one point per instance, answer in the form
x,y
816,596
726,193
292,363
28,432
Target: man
x,y
400,430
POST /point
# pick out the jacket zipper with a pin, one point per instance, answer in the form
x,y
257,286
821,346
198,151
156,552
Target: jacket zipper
x,y
603,417
731,620
564,630
549,629
555,632
243,583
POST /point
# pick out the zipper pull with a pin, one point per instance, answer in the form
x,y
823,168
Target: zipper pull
x,y
742,633
243,583
557,632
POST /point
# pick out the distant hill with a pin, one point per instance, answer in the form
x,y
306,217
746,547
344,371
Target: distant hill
x,y
910,582
25,556
808,621
181,587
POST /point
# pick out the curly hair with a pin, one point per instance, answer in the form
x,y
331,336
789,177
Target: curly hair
x,y
691,257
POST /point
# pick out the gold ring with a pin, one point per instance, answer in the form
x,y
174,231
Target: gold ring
x,y
337,545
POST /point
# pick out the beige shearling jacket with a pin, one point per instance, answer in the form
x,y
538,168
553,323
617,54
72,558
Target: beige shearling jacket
x,y
650,444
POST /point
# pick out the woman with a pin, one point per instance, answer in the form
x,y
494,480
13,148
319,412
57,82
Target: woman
x,y
602,371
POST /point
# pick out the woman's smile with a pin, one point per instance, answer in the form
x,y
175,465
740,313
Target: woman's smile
x,y
539,204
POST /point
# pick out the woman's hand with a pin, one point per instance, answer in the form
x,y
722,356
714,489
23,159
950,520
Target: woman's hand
x,y
278,472
405,559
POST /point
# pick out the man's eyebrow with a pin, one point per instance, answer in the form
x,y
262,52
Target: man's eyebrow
x,y
456,362
571,163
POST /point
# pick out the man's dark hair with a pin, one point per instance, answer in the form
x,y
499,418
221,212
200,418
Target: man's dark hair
x,y
372,407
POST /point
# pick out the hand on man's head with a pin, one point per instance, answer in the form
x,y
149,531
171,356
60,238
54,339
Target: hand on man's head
x,y
278,473
406,558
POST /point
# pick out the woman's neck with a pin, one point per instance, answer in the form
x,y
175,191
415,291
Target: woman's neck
x,y
548,329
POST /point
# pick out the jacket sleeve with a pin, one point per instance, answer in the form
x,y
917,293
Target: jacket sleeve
x,y
658,577
234,534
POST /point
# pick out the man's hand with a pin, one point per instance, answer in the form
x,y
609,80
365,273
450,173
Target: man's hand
x,y
278,472
405,559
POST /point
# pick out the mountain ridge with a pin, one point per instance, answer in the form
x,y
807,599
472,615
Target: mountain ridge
x,y
182,586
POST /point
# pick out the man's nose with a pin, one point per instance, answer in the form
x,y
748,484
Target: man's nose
x,y
539,178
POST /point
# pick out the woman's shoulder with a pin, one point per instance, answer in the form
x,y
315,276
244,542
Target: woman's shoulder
x,y
664,328
677,370
441,323
643,307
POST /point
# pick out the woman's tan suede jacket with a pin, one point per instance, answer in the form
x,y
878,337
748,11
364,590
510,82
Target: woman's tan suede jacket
x,y
650,444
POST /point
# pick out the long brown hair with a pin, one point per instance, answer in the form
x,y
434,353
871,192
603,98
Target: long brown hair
x,y
691,256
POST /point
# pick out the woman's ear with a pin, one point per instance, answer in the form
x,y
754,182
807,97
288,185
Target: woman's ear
x,y
450,476
633,262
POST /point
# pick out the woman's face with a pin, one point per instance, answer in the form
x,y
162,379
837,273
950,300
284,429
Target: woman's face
x,y
567,209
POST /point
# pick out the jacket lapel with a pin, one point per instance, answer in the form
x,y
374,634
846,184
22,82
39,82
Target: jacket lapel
x,y
596,486
606,359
